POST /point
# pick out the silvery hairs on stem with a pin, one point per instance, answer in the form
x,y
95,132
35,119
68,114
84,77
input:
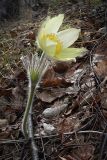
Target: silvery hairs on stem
x,y
35,66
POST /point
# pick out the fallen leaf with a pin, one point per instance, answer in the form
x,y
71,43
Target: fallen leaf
x,y
55,82
69,157
62,158
100,59
49,129
49,95
53,112
3,123
102,49
85,152
4,135
5,92
101,68
51,79
13,33
61,67
104,102
68,124
31,35
10,114
87,36
73,73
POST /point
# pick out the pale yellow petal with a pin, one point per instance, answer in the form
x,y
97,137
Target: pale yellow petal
x,y
68,36
53,24
70,53
49,26
50,51
41,42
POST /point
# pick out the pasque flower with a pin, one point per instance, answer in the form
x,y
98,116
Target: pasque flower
x,y
55,44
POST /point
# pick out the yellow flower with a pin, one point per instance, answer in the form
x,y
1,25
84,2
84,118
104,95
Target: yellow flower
x,y
55,44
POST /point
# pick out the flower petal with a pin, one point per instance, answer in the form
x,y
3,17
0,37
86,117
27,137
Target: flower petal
x,y
68,36
41,40
52,25
50,51
49,26
70,53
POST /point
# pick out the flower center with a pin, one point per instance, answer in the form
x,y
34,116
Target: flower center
x,y
52,37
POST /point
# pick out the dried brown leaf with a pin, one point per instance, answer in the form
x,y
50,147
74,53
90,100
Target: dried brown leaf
x,y
67,124
3,123
49,95
56,82
5,92
62,158
4,135
85,152
61,67
13,33
31,35
101,59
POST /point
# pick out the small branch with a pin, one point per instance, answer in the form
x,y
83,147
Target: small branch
x,y
86,132
4,141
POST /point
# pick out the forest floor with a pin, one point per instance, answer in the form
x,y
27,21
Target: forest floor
x,y
79,131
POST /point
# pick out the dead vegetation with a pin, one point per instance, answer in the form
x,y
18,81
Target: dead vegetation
x,y
74,92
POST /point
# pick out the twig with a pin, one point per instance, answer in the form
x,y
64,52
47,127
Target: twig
x,y
103,143
41,138
23,150
85,132
4,141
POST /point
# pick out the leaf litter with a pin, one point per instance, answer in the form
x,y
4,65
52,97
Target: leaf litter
x,y
69,112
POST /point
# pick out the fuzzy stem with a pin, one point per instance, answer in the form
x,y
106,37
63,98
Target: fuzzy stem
x,y
29,105
31,137
34,79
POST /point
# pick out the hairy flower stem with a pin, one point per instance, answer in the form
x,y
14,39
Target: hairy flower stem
x,y
29,105
31,137
35,69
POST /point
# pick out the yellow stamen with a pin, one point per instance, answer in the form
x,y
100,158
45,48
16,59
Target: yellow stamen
x,y
54,38
58,49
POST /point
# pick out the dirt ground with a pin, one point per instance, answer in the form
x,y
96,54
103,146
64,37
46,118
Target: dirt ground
x,y
80,129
